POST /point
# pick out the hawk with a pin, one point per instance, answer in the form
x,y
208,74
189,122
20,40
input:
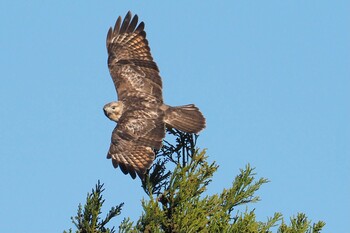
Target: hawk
x,y
140,112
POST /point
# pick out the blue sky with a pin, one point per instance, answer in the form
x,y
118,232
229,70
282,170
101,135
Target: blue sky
x,y
271,77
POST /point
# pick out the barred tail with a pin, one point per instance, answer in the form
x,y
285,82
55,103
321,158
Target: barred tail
x,y
186,118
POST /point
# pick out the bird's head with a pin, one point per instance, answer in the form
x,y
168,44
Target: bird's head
x,y
113,110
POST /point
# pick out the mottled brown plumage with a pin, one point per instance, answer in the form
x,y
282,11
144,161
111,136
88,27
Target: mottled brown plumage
x,y
140,113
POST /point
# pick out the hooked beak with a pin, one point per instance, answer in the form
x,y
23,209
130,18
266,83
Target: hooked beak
x,y
105,112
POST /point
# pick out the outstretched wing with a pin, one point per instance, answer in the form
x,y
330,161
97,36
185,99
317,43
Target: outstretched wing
x,y
138,132
130,61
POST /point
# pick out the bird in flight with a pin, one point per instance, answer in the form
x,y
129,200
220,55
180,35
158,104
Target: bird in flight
x,y
140,112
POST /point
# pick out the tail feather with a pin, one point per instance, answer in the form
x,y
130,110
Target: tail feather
x,y
186,118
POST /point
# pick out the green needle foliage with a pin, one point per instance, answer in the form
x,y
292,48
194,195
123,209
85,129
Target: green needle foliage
x,y
176,201
88,220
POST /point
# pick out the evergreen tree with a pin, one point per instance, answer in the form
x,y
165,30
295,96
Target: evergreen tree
x,y
176,185
88,220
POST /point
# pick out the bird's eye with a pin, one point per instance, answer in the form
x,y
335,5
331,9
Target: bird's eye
x,y
113,107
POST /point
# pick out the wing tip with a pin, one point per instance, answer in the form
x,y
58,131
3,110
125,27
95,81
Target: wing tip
x,y
128,25
128,14
127,169
109,36
117,25
140,27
